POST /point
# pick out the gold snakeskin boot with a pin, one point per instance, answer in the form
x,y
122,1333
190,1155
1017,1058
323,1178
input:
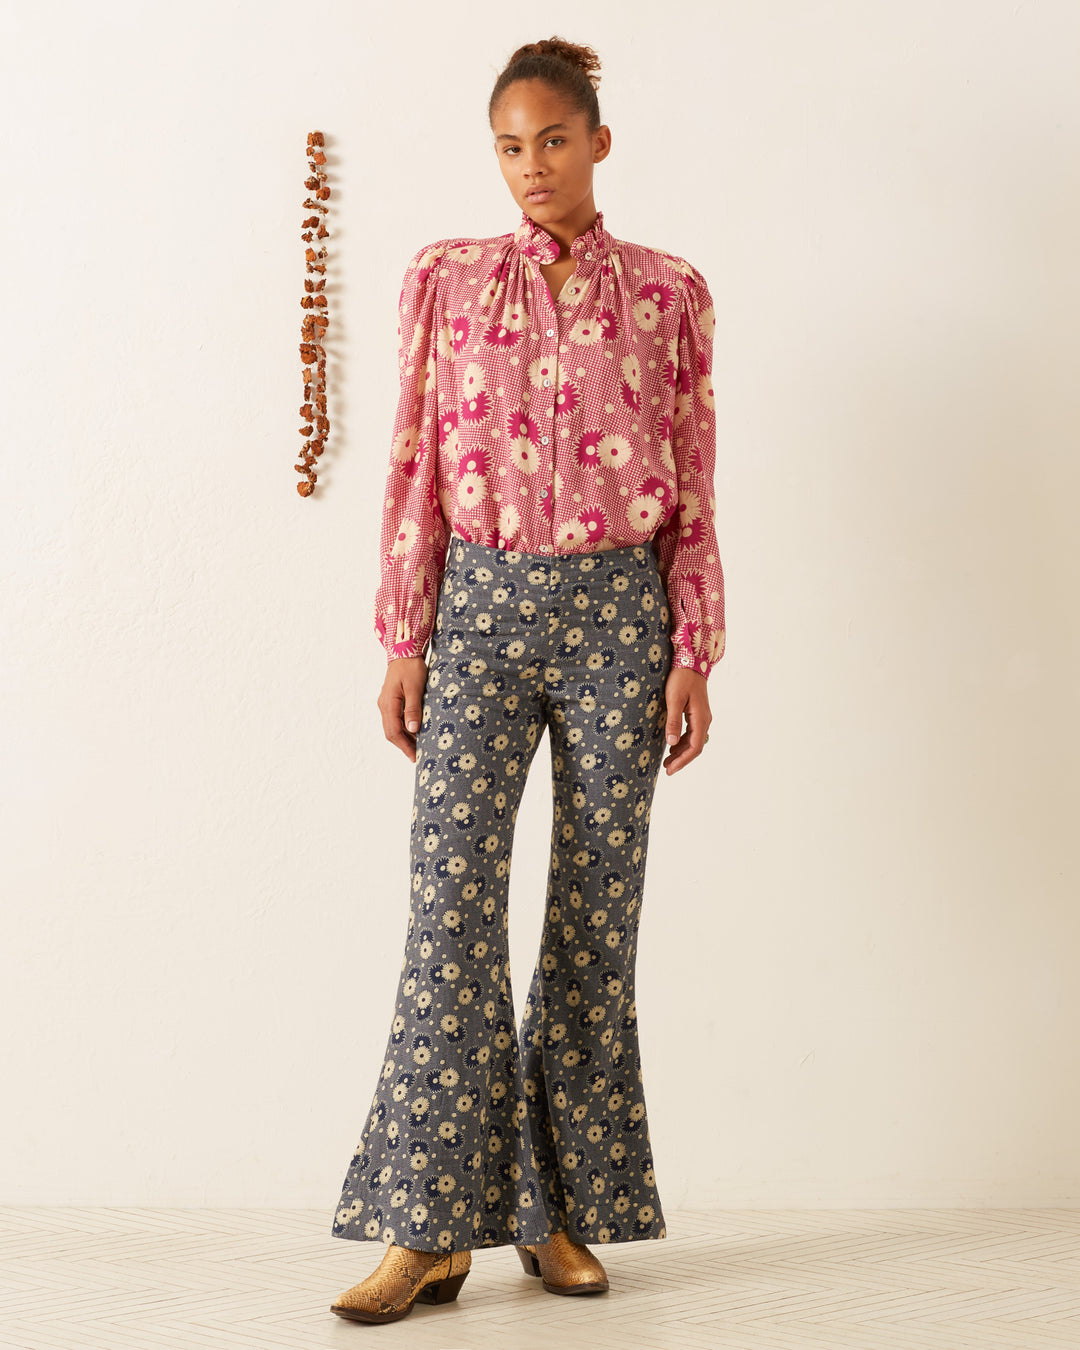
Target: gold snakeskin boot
x,y
402,1277
565,1267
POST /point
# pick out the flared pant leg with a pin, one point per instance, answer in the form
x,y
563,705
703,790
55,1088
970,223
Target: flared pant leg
x,y
604,705
465,1144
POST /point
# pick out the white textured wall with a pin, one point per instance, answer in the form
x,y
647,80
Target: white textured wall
x,y
857,978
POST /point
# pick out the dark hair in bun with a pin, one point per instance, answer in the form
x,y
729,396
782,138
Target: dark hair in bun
x,y
564,66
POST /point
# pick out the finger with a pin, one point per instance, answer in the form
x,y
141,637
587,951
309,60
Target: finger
x,y
408,705
691,744
681,755
393,728
673,727
405,743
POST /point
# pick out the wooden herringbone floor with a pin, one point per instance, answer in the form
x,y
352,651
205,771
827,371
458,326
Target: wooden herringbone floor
x,y
213,1279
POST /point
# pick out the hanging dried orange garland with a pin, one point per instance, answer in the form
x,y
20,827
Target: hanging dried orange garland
x,y
315,323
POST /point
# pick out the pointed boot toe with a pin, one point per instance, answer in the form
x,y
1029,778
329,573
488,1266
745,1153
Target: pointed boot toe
x,y
402,1278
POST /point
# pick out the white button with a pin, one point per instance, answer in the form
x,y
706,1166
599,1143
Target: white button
x,y
588,255
543,492
551,332
546,383
543,440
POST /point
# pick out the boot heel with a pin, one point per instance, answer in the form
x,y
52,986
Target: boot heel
x,y
528,1261
443,1291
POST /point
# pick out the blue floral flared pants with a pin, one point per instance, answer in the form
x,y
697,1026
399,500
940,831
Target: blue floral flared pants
x,y
480,1134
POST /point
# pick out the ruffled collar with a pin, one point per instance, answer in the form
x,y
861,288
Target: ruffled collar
x,y
535,242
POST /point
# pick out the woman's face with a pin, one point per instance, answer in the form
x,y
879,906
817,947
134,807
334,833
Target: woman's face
x,y
541,143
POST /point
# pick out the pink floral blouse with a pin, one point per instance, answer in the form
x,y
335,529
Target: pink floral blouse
x,y
552,425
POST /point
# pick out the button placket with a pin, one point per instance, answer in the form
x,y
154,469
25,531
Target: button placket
x,y
549,414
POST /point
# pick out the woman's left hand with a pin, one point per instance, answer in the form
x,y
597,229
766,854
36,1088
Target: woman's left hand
x,y
686,694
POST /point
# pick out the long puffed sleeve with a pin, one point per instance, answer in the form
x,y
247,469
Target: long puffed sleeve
x,y
687,555
414,532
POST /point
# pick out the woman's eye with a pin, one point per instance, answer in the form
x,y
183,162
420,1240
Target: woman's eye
x,y
549,140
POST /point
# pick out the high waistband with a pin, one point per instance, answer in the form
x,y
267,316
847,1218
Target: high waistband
x,y
466,553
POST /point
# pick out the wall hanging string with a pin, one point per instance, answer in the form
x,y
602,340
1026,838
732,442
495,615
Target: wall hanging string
x,y
316,321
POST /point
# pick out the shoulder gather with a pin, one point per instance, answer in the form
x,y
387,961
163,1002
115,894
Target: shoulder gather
x,y
663,260
459,253
463,248
427,255
696,299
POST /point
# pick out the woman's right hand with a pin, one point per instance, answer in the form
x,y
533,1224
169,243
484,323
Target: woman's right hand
x,y
401,701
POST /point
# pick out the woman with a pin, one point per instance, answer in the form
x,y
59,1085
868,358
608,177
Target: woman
x,y
548,523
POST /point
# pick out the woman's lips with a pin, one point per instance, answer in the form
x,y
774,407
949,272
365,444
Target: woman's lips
x,y
540,195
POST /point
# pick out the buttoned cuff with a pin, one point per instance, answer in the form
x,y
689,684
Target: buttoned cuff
x,y
681,658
